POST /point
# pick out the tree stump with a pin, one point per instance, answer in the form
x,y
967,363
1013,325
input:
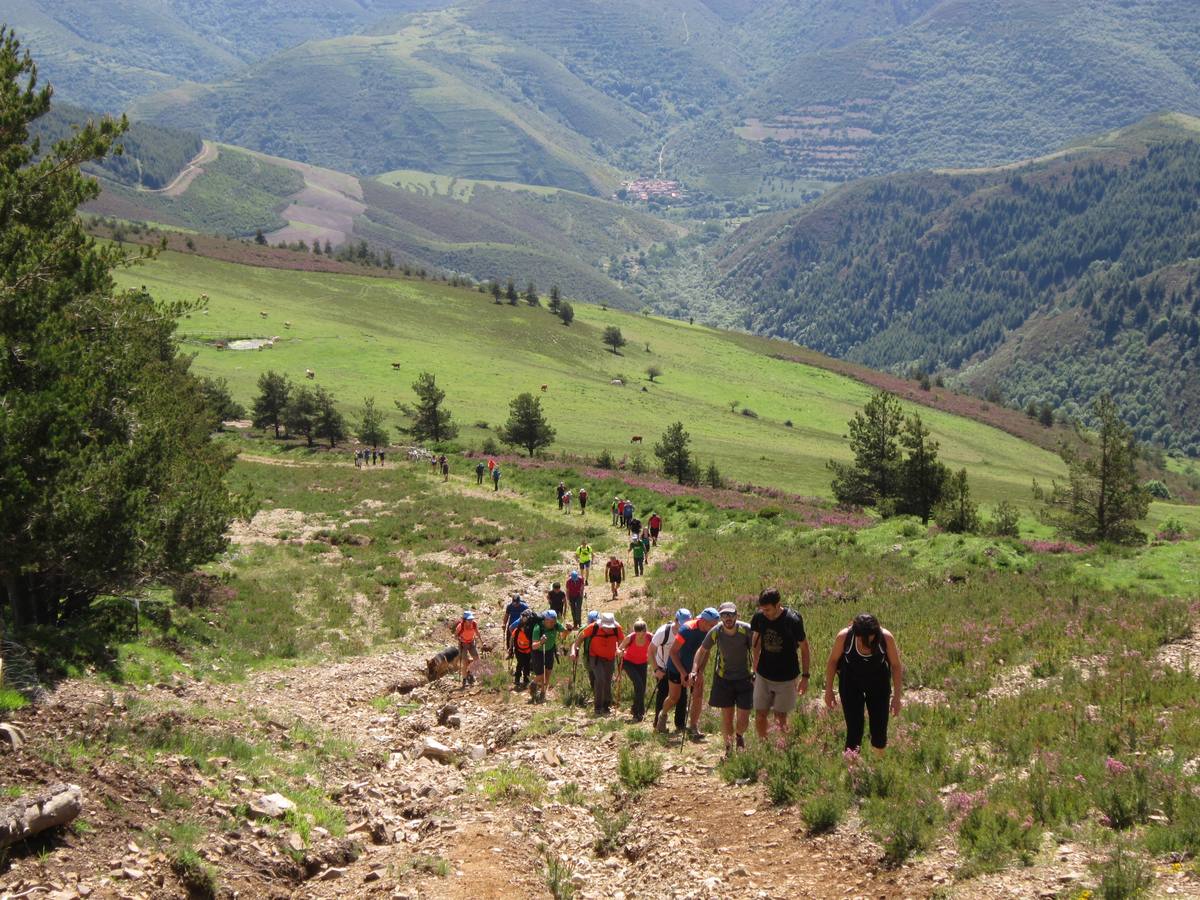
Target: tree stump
x,y
26,816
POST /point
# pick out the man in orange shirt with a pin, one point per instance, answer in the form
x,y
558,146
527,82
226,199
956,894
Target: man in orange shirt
x,y
602,637
467,632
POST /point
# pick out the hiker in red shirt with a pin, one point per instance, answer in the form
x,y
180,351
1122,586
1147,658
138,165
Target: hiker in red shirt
x,y
602,638
614,574
635,653
467,632
655,524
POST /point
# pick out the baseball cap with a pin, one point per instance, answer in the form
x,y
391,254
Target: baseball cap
x,y
468,615
710,614
549,614
727,607
682,615
593,616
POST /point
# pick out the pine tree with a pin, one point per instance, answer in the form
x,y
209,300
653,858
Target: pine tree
x,y
1103,498
555,298
922,476
108,478
328,422
566,312
957,512
674,453
370,426
301,413
527,426
496,293
531,295
431,421
874,440
270,406
510,293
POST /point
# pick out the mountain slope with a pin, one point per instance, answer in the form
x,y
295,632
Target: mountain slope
x,y
1084,260
350,330
104,53
971,82
489,230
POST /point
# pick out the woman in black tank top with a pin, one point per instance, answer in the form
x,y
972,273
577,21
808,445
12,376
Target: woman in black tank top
x,y
867,663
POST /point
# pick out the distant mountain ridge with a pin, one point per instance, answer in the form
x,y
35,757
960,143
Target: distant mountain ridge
x,y
1049,281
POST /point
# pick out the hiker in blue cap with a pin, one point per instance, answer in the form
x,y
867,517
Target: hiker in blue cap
x,y
660,642
679,670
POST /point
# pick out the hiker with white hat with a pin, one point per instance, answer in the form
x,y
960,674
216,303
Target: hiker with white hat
x,y
467,632
602,638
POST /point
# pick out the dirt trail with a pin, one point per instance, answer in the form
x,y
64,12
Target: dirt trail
x,y
180,183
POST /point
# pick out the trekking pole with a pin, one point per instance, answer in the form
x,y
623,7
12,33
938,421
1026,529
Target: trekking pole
x,y
574,669
620,680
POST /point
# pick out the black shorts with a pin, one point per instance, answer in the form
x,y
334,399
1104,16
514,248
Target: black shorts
x,y
725,693
542,662
673,676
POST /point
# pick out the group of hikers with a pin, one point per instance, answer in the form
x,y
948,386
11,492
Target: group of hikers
x,y
492,468
761,666
368,456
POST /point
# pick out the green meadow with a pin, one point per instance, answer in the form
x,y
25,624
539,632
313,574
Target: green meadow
x,y
350,331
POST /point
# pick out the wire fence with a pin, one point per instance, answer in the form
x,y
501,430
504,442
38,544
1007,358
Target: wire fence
x,y
20,672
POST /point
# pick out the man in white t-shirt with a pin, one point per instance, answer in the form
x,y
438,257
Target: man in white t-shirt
x,y
661,642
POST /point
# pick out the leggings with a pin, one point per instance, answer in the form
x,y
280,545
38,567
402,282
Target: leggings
x,y
523,661
639,565
637,677
873,699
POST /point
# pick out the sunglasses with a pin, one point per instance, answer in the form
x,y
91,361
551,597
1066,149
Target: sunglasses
x,y
728,615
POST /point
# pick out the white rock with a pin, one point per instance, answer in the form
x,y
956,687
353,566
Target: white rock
x,y
271,806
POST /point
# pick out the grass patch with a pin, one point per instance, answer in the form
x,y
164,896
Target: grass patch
x,y
638,771
519,783
11,700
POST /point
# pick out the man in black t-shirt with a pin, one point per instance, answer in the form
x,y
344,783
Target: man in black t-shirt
x,y
780,673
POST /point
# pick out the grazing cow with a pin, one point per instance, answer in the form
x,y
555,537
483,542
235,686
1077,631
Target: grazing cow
x,y
636,439
287,324
309,373
545,387
395,367
617,381
262,314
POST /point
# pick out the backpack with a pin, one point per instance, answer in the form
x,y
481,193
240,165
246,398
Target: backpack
x,y
464,633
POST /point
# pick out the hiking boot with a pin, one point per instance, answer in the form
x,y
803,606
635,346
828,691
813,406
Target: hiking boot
x,y
695,735
741,742
660,724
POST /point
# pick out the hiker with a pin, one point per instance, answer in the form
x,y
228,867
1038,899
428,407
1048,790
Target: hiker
x,y
635,654
614,574
479,468
583,553
616,510
557,599
627,513
778,634
635,527
521,638
512,615
496,478
583,501
732,688
566,502
680,673
661,641
655,524
562,489
646,542
575,585
544,646
867,662
445,469
601,638
639,556
357,459
467,632
582,646
374,455
381,452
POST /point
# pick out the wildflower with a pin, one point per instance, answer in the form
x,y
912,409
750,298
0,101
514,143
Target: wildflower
x,y
1105,821
851,756
1081,779
1115,766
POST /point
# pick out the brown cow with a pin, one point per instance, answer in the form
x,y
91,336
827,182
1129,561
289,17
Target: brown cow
x,y
636,439
545,387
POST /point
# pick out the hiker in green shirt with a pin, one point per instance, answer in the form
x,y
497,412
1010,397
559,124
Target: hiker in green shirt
x,y
545,645
583,553
638,549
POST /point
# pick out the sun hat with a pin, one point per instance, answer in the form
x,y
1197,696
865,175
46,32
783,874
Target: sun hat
x,y
727,607
608,620
468,615
682,615
710,615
